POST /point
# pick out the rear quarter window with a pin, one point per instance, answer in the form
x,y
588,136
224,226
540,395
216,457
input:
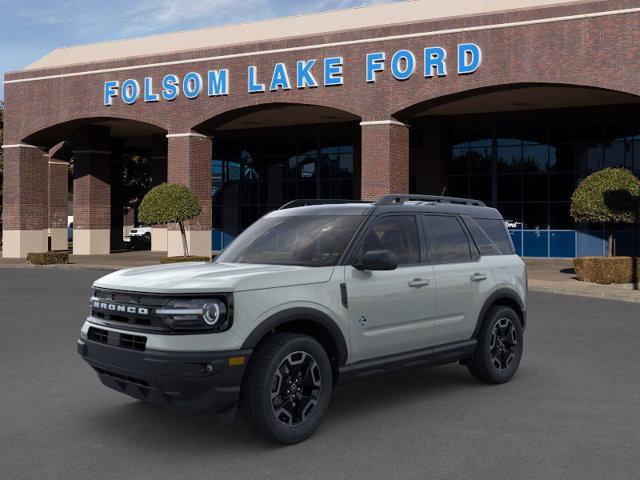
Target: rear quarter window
x,y
496,230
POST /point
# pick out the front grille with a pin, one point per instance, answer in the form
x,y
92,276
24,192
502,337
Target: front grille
x,y
130,311
116,339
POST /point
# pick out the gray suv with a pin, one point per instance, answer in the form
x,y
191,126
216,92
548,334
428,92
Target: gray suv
x,y
309,296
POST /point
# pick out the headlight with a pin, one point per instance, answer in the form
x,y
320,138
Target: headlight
x,y
209,314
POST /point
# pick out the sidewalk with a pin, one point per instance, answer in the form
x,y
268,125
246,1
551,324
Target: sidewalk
x,y
545,275
557,276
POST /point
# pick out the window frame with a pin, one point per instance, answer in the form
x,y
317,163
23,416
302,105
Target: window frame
x,y
474,253
355,248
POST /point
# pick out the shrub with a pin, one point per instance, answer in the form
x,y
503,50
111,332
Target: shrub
x,y
189,258
607,270
170,203
48,258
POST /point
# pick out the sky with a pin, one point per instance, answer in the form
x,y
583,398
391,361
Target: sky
x,y
29,29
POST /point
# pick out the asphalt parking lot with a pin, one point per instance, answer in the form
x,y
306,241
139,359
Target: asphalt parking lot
x,y
570,412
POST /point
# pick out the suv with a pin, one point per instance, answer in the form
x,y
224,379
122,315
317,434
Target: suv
x,y
310,296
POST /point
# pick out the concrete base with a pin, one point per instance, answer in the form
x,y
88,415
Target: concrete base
x,y
159,239
91,242
17,243
199,242
58,238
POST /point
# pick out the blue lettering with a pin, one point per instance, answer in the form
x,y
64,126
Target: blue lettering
x,y
110,92
375,63
170,87
469,58
254,87
280,78
304,77
333,71
403,64
130,91
149,96
218,82
192,85
434,58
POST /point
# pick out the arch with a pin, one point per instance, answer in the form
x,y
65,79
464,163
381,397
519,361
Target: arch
x,y
211,122
47,136
410,107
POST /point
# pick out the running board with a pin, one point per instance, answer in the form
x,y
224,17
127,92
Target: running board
x,y
428,357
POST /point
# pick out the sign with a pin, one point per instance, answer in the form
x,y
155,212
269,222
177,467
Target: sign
x,y
309,73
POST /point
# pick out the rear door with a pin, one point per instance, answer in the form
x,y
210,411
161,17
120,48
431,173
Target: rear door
x,y
391,311
463,278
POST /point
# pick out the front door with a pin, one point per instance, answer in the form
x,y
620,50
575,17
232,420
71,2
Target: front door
x,y
391,311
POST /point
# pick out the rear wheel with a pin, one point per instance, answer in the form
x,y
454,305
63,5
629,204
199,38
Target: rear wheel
x,y
500,343
287,388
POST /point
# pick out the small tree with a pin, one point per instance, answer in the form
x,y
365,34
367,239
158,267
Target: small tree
x,y
611,195
170,203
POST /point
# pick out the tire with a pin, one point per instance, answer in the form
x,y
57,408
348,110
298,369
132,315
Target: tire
x,y
500,344
287,388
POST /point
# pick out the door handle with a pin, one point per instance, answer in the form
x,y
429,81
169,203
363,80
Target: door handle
x,y
478,277
418,283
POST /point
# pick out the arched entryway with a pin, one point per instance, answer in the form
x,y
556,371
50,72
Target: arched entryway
x,y
523,149
113,162
264,156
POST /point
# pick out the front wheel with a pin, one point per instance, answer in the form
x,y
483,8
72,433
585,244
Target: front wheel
x,y
499,349
287,388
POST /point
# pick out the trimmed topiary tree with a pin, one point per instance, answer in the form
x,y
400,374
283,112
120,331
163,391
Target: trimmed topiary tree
x,y
611,195
170,203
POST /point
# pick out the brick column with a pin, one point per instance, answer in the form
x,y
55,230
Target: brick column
x,y
92,192
158,175
58,191
25,212
189,164
385,158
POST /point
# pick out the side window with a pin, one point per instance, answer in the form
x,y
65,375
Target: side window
x,y
497,231
447,240
485,244
396,233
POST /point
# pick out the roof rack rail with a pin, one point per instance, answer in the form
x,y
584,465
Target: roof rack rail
x,y
393,199
304,202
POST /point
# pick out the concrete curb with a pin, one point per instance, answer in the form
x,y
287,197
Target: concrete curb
x,y
630,297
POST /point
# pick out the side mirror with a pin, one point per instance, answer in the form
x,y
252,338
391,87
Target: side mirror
x,y
378,260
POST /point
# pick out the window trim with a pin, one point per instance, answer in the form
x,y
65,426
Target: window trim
x,y
474,253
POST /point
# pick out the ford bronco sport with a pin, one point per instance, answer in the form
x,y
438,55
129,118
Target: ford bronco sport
x,y
310,296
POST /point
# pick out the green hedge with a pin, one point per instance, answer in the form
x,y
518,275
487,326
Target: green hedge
x,y
607,270
190,258
48,258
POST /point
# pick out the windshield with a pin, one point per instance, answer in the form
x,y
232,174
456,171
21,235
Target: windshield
x,y
310,241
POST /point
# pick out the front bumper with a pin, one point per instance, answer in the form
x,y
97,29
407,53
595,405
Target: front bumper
x,y
204,382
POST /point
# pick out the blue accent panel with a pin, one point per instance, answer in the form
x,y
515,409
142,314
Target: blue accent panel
x,y
375,63
516,238
170,87
220,239
591,243
535,243
469,58
562,243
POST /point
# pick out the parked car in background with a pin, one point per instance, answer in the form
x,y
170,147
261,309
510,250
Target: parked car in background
x,y
69,228
140,238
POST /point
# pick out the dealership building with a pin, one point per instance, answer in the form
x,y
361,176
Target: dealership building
x,y
511,102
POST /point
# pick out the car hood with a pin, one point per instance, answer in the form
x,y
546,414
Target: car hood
x,y
211,277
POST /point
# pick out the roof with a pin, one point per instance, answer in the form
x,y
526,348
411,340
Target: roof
x,y
286,27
